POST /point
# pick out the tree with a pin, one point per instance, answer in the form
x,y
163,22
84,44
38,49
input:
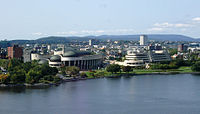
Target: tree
x,y
83,75
4,78
114,68
196,66
180,62
4,63
173,51
56,79
18,76
14,63
27,66
48,77
72,71
62,69
126,69
46,70
33,76
29,79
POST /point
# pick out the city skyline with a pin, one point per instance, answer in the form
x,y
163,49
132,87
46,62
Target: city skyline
x,y
21,19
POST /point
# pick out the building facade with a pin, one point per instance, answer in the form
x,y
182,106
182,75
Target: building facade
x,y
15,52
27,55
140,57
143,40
91,42
182,48
83,60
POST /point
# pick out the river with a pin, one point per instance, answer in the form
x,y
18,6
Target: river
x,y
144,94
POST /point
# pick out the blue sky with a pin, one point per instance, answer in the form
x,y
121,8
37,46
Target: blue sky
x,y
32,19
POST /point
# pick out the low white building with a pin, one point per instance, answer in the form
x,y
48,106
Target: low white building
x,y
140,57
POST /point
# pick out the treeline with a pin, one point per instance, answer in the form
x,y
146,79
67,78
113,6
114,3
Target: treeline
x,y
30,72
175,64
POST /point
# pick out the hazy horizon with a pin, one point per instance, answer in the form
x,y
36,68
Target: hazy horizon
x,y
22,19
85,36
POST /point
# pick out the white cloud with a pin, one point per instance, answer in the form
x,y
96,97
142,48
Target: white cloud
x,y
196,19
91,31
87,32
169,25
37,33
67,33
156,29
97,32
182,25
124,30
164,25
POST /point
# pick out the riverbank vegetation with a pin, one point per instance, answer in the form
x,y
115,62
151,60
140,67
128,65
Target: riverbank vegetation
x,y
30,73
168,67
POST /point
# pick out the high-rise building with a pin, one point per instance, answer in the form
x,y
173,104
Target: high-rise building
x,y
182,48
143,40
15,52
91,42
27,55
49,48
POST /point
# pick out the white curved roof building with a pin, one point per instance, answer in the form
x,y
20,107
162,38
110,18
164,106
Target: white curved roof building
x,y
82,59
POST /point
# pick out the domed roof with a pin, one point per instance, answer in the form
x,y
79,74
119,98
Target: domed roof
x,y
43,61
70,54
84,53
55,58
75,53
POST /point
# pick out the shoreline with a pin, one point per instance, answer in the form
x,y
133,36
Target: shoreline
x,y
29,85
79,79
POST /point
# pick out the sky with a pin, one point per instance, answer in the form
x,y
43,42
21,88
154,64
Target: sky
x,y
32,19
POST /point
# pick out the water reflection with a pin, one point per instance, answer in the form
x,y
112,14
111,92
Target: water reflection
x,y
12,89
21,89
147,94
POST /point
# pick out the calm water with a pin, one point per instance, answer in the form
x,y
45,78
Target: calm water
x,y
159,94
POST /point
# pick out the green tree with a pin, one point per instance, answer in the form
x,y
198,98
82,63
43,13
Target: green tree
x,y
83,75
18,76
27,66
72,71
46,70
126,69
4,63
33,76
62,69
196,66
48,78
14,63
56,79
113,68
173,51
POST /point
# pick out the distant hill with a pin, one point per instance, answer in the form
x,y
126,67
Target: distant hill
x,y
57,39
158,37
53,39
151,37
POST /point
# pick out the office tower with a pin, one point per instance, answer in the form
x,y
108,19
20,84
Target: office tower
x,y
182,48
143,40
91,42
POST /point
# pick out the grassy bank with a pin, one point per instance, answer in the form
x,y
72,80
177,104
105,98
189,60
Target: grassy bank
x,y
104,73
179,70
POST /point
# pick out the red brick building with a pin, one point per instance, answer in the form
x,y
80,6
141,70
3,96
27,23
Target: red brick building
x,y
15,52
